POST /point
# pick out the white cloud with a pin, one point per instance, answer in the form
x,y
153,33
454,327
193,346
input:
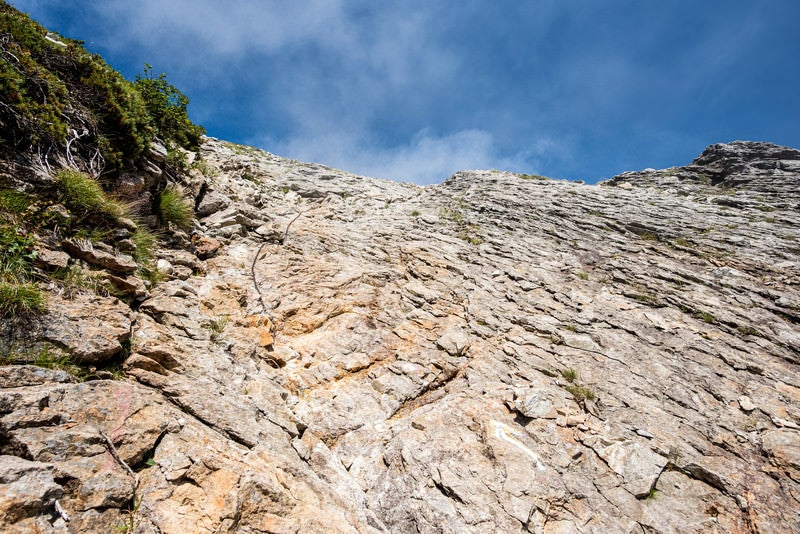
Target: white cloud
x,y
425,159
231,28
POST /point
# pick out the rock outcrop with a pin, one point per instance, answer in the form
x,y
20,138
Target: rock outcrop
x,y
498,353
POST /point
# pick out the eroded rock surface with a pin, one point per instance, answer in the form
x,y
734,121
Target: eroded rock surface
x,y
493,354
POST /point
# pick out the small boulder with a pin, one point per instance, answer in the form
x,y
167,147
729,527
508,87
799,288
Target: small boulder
x,y
746,404
14,376
637,464
212,203
28,489
129,285
130,184
51,259
118,263
454,341
157,152
205,247
143,362
91,328
535,405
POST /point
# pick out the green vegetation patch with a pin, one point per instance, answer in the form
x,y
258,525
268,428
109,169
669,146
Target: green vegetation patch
x,y
18,296
747,330
61,100
20,299
167,108
14,202
216,326
74,280
580,393
16,252
706,317
84,194
174,208
452,214
570,375
145,242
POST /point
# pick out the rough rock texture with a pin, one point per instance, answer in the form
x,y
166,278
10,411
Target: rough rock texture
x,y
492,354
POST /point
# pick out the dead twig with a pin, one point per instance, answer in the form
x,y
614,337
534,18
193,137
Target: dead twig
x,y
300,214
255,280
113,450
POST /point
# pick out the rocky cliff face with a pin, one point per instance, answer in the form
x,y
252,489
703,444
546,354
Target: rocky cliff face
x,y
498,353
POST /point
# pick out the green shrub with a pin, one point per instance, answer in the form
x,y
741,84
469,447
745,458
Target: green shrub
x,y
83,194
124,127
20,299
167,108
34,98
176,158
174,208
49,90
54,94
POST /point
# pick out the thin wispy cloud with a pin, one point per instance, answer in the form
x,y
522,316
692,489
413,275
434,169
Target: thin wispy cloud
x,y
418,90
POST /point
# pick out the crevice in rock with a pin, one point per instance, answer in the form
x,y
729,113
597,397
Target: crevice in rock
x,y
148,455
200,195
429,393
698,472
187,409
11,446
447,492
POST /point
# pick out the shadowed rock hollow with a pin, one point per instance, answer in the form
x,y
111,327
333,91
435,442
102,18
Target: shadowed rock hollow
x,y
498,353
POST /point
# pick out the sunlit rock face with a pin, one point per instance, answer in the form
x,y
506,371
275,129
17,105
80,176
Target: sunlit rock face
x,y
498,353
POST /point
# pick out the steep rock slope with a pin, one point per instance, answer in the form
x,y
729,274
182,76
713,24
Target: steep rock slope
x,y
498,353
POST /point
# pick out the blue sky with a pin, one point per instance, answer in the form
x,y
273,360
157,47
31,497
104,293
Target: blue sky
x,y
416,90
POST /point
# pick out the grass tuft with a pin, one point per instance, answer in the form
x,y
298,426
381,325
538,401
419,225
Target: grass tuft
x,y
84,194
570,375
13,201
580,393
706,317
20,299
145,242
174,208
73,280
216,326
